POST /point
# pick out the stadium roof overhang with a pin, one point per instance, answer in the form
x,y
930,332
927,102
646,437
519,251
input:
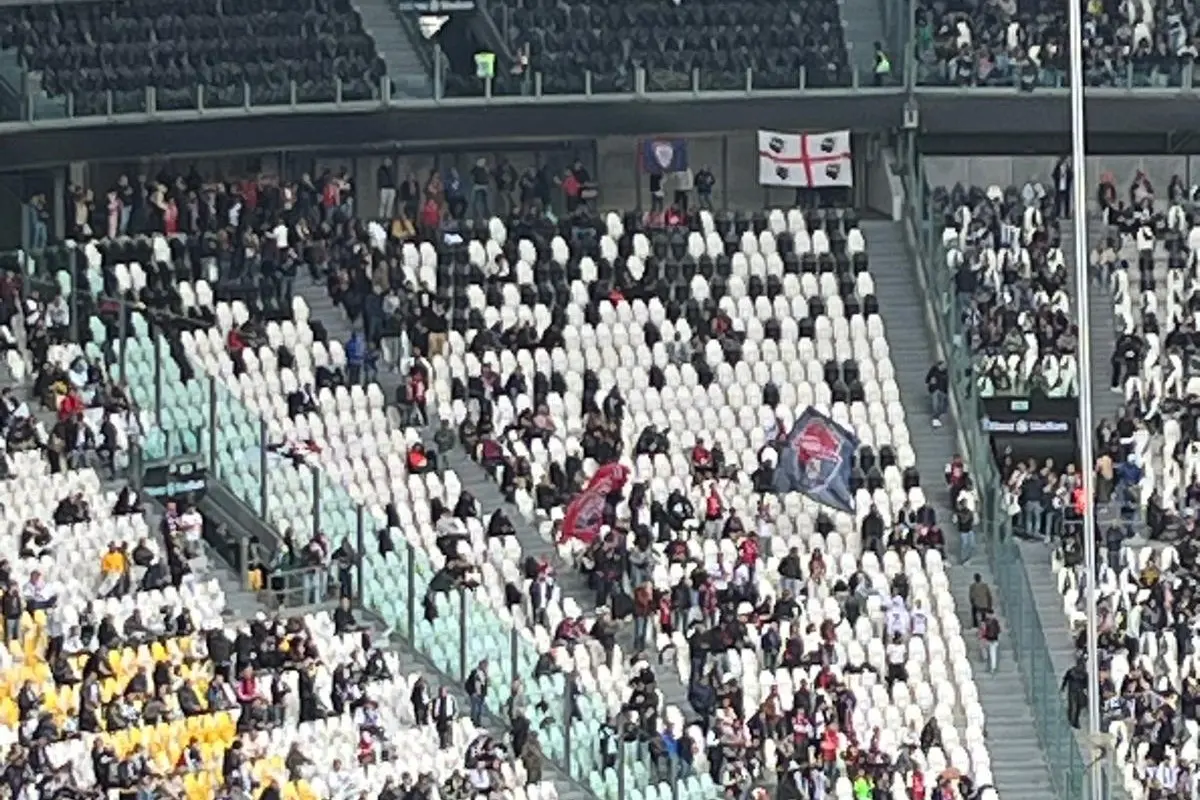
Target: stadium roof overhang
x,y
951,121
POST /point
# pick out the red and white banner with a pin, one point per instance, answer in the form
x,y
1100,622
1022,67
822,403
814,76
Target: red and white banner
x,y
585,513
804,160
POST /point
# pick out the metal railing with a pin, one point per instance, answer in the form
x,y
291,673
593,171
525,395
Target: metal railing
x,y
1030,648
334,94
932,71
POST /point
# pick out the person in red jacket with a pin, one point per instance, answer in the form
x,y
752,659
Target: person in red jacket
x,y
748,551
916,789
830,745
70,406
714,512
418,461
701,461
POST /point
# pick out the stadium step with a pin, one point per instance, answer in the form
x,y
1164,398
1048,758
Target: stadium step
x,y
1042,581
1104,331
862,25
392,38
1019,768
570,581
339,327
493,722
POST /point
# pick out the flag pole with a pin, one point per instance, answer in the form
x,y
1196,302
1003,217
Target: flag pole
x,y
1094,788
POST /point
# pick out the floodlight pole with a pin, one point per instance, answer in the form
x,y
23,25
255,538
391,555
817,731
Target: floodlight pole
x,y
1094,788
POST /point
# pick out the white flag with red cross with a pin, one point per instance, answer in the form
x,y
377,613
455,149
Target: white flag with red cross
x,y
804,160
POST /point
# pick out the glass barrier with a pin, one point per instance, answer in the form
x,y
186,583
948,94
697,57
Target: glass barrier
x,y
938,69
216,422
1030,648
37,104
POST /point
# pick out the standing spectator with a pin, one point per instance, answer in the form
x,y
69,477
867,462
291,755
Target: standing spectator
x,y
445,710
705,181
980,596
1033,493
386,179
477,692
316,579
657,195
346,559
937,382
356,356
13,607
883,66
481,207
989,641
1126,359
643,609
684,183
456,199
1064,178
964,520
1075,683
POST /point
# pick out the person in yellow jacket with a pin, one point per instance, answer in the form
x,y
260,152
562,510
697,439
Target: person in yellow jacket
x,y
114,568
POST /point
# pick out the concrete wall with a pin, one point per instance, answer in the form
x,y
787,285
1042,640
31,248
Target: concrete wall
x,y
1015,170
733,159
614,161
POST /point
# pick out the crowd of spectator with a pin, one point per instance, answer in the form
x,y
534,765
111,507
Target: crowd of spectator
x,y
653,563
1143,43
1003,251
690,566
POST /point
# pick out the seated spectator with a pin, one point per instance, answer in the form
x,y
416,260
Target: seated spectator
x,y
127,503
419,461
39,594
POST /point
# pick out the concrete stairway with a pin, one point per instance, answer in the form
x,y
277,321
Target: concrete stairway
x,y
487,492
1036,556
404,65
1019,767
410,661
862,22
339,327
474,480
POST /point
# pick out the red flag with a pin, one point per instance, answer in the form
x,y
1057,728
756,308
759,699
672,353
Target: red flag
x,y
585,513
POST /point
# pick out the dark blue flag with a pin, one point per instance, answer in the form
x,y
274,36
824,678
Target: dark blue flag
x,y
816,459
664,155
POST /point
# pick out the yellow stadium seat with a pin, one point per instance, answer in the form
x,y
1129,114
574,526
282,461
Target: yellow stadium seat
x,y
9,715
289,791
208,753
41,672
305,791
120,742
193,787
158,652
52,701
109,689
163,763
39,618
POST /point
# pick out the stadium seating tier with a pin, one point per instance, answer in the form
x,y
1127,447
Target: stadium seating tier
x,y
89,50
